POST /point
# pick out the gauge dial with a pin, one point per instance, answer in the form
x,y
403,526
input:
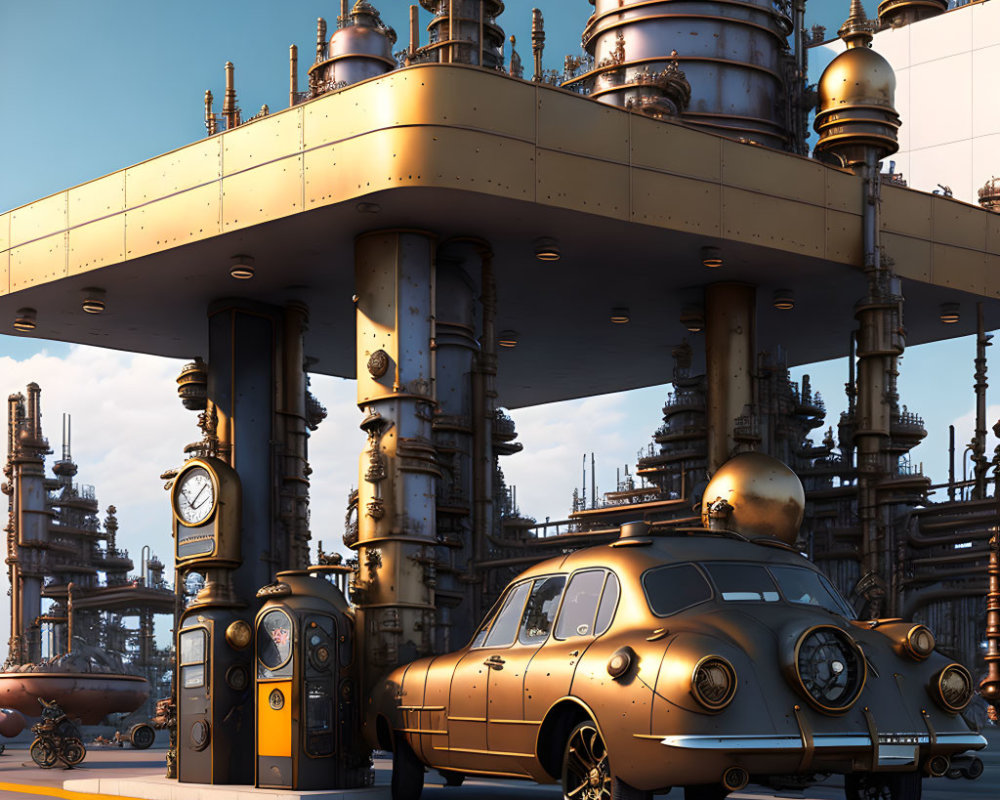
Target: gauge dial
x,y
194,499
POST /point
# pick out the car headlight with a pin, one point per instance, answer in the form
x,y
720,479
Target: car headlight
x,y
830,669
713,682
919,642
952,688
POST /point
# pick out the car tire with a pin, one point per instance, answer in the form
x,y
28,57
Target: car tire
x,y
141,736
712,791
451,778
407,770
885,786
623,791
585,764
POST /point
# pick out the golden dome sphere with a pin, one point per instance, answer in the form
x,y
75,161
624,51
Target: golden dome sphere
x,y
856,111
754,495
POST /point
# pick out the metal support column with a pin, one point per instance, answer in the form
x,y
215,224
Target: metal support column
x,y
397,514
730,345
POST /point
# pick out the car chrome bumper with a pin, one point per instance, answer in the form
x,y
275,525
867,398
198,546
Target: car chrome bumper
x,y
822,741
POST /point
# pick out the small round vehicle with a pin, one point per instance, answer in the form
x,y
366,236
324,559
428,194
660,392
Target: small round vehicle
x,y
141,736
690,659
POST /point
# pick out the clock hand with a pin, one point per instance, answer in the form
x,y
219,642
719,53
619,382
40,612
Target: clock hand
x,y
204,486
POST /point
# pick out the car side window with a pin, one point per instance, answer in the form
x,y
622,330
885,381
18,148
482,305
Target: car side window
x,y
671,589
579,608
609,602
541,609
505,627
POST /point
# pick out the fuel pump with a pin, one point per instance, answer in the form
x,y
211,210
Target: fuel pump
x,y
214,680
307,685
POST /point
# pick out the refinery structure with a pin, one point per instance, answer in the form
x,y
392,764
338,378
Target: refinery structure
x,y
463,231
71,591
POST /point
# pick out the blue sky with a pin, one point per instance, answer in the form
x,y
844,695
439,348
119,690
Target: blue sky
x,y
89,88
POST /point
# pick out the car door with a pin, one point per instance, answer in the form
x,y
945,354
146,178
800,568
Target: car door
x,y
509,735
467,746
588,606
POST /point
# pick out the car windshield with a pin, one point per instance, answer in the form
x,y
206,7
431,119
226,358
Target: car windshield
x,y
805,587
745,582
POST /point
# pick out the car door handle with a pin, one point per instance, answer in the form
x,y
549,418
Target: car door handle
x,y
494,662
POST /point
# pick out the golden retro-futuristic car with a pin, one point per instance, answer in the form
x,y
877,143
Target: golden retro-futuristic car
x,y
700,659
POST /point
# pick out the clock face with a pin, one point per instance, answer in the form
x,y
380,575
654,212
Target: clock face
x,y
194,499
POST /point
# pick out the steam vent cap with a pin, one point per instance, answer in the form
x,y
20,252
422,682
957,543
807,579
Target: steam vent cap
x,y
856,109
754,495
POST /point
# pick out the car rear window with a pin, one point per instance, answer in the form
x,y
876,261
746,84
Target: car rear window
x,y
743,582
673,588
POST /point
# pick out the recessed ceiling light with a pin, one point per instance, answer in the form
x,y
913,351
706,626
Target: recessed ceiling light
x,y
784,299
93,300
242,267
547,249
25,319
711,257
507,339
693,318
949,313
620,315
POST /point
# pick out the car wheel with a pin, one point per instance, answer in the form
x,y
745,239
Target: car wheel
x,y
451,778
585,772
623,791
142,736
891,786
712,791
407,770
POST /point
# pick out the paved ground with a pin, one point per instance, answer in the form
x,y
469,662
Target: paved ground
x,y
20,779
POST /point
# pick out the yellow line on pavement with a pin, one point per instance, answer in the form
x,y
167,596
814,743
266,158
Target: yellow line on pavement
x,y
52,791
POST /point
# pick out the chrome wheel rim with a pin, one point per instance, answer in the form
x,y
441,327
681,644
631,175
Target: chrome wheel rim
x,y
586,775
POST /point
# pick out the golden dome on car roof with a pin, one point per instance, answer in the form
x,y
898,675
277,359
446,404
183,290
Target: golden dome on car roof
x,y
754,495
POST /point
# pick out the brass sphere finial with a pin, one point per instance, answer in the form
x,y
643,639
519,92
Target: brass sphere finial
x,y
856,112
754,495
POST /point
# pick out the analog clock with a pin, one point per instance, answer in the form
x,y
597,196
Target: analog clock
x,y
194,497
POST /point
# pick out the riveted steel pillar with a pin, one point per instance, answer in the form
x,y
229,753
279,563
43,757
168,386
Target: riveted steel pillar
x,y
455,423
242,386
730,344
256,390
397,515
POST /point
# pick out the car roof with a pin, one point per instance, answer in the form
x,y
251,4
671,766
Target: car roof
x,y
637,555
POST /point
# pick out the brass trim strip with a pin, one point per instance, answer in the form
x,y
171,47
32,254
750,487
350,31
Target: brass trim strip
x,y
808,742
466,719
493,773
873,733
515,721
423,730
930,726
420,708
485,752
657,736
